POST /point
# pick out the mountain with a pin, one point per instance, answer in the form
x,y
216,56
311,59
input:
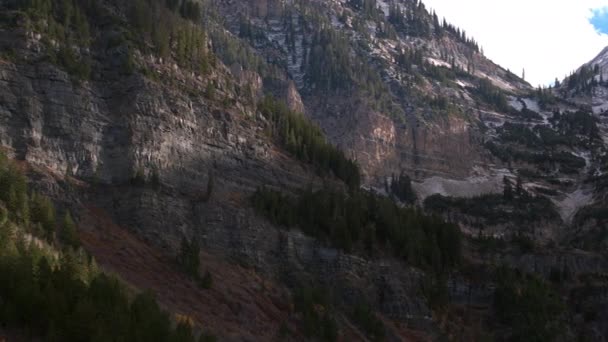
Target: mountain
x,y
294,170
586,88
374,53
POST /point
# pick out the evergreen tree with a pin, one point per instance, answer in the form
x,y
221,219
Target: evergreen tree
x,y
189,257
519,189
183,333
507,188
43,212
68,232
306,142
492,95
363,219
528,305
402,188
207,280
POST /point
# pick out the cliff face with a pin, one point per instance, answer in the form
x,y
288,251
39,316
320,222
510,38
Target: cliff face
x,y
407,135
447,147
167,152
418,98
148,150
69,129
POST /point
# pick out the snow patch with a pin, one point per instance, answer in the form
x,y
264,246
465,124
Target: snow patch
x,y
384,7
437,62
496,81
335,22
532,104
492,119
600,108
463,84
470,187
570,205
515,103
585,155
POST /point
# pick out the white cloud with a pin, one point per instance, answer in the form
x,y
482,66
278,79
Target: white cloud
x,y
549,38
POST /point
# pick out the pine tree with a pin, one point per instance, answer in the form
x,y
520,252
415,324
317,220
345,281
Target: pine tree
x,y
68,232
507,188
3,216
183,333
188,257
519,190
210,185
43,212
206,280
207,337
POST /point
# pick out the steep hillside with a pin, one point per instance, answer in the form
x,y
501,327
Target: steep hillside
x,y
404,92
52,289
387,81
449,199
588,89
171,150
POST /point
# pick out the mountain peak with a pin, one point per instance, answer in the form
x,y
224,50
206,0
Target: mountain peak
x,y
601,59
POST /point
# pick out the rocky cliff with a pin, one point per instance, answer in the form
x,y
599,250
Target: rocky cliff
x,y
167,151
145,150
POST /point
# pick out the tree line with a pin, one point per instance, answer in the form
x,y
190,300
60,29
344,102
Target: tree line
x,y
173,29
401,187
51,289
585,79
35,212
48,299
367,222
66,22
330,63
166,28
529,306
492,95
513,206
307,142
412,21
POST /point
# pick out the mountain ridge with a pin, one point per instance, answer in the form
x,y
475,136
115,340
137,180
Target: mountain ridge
x,y
171,134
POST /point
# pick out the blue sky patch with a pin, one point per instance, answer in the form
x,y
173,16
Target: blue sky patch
x,y
599,20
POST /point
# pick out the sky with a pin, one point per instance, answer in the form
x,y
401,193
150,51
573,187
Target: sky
x,y
547,38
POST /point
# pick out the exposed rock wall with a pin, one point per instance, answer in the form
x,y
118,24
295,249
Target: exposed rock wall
x,y
150,150
384,146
